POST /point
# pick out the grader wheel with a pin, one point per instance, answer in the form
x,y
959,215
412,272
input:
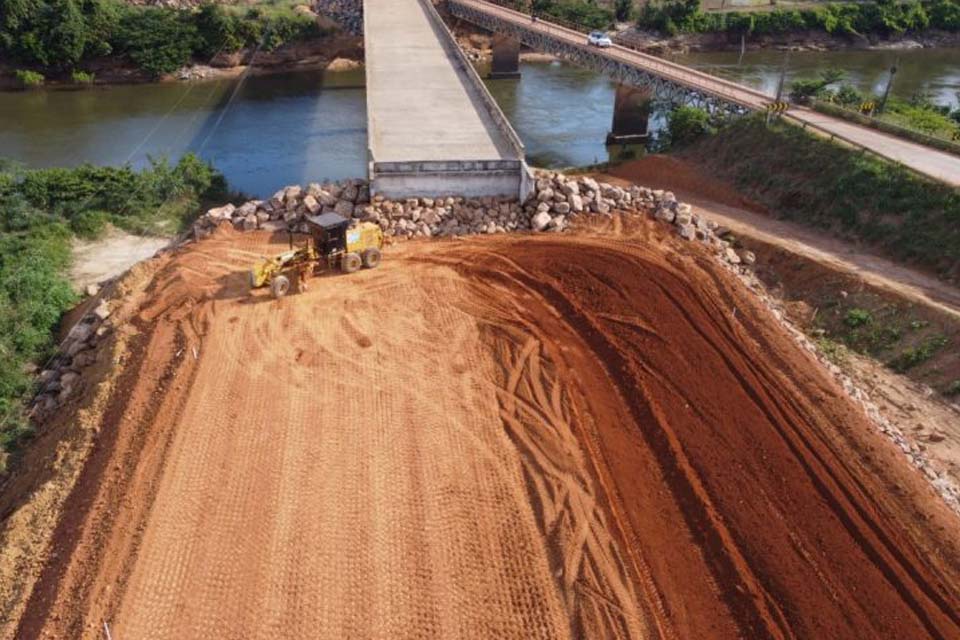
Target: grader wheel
x,y
350,263
371,258
280,286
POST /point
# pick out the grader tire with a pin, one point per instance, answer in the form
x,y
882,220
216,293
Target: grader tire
x,y
350,263
280,286
371,258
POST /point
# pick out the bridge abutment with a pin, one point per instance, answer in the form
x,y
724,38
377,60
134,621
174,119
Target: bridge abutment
x,y
506,57
631,114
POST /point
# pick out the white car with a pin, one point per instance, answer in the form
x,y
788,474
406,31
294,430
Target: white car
x,y
599,39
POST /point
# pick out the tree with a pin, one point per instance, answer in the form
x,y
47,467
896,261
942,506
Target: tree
x,y
622,9
686,124
158,41
66,34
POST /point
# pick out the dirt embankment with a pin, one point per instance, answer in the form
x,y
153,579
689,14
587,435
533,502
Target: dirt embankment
x,y
596,435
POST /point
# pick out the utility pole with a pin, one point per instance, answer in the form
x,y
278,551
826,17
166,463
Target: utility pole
x,y
886,91
783,77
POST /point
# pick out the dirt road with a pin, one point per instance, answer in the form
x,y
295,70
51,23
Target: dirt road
x,y
585,436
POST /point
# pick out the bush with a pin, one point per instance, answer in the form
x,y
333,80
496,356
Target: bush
x,y
156,40
883,16
81,77
40,211
29,79
89,225
857,318
686,124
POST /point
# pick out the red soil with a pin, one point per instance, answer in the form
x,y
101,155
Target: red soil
x,y
581,436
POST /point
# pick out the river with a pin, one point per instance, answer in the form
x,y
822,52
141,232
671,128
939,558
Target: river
x,y
273,130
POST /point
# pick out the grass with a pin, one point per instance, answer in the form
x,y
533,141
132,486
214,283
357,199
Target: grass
x,y
914,356
802,177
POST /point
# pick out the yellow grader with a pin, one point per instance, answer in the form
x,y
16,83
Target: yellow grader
x,y
333,242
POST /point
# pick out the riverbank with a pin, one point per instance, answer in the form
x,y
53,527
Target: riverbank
x,y
808,40
335,52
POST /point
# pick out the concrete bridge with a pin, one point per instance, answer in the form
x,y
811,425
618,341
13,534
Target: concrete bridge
x,y
646,80
434,129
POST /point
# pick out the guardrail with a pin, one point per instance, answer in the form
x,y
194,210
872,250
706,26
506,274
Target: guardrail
x,y
837,111
670,71
490,105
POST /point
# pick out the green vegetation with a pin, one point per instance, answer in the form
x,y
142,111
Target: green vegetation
x,y
81,77
584,13
815,182
898,335
40,212
913,356
29,79
857,317
686,124
833,350
63,34
919,113
953,389
881,17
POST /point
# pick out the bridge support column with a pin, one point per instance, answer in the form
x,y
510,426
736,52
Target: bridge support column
x,y
631,114
506,57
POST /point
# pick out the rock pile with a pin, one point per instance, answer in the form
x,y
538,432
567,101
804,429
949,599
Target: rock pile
x,y
61,379
347,13
556,201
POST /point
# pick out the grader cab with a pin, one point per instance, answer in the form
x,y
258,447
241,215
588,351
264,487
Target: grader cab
x,y
333,242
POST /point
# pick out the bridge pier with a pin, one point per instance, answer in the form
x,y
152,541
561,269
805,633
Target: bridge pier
x,y
631,114
506,57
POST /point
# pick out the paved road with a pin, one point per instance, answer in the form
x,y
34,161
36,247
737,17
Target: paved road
x,y
420,108
936,164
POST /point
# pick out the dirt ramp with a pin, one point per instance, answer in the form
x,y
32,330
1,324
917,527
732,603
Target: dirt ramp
x,y
757,500
591,436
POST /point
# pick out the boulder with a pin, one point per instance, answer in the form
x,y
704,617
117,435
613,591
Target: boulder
x,y
540,221
350,192
103,310
562,208
326,199
221,213
731,256
92,289
311,204
344,208
687,231
665,214
576,202
292,193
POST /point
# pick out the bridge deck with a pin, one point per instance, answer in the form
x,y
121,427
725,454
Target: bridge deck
x,y
420,106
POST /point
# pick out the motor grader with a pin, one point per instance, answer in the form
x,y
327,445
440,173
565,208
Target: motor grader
x,y
332,242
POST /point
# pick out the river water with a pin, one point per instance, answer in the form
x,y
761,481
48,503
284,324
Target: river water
x,y
269,131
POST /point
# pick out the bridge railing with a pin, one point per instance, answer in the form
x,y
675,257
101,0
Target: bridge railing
x,y
460,59
690,78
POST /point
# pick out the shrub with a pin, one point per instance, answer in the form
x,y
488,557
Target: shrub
x,y
857,317
686,124
89,224
917,355
81,77
29,79
156,40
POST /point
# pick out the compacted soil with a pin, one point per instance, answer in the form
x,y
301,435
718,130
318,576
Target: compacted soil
x,y
601,434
